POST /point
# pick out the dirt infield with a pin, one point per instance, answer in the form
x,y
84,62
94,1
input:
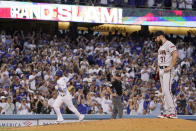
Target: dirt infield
x,y
117,125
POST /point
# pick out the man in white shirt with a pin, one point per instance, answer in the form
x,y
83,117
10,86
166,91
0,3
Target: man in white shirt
x,y
190,50
106,104
104,2
181,4
52,100
108,61
182,53
91,70
64,97
140,102
189,4
48,76
18,70
9,107
167,57
155,106
150,3
145,74
97,69
23,108
84,64
174,4
3,105
5,80
98,48
32,80
117,59
88,79
89,47
24,81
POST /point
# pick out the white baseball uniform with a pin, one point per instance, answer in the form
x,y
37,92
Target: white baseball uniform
x,y
164,60
63,97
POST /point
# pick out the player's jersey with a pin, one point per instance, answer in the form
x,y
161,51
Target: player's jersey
x,y
165,53
62,84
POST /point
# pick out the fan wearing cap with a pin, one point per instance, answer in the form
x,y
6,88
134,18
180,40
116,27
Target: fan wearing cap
x,y
116,92
167,57
64,97
2,104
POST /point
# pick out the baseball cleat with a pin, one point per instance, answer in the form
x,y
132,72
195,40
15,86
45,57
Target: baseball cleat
x,y
81,117
172,116
163,116
59,121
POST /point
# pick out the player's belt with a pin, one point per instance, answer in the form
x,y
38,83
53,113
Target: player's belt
x,y
163,67
62,95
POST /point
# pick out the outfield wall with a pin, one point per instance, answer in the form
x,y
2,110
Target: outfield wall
x,y
34,120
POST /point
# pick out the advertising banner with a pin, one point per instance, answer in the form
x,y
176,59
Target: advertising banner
x,y
48,122
59,12
22,123
158,17
17,123
95,14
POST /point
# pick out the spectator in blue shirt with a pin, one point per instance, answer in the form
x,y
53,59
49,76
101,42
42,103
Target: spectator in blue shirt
x,y
82,107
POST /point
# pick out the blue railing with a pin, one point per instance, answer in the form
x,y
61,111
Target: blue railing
x,y
87,117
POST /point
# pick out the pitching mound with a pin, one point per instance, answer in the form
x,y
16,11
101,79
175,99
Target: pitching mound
x,y
118,125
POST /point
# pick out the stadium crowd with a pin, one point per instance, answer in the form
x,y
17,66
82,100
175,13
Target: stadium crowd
x,y
29,61
167,4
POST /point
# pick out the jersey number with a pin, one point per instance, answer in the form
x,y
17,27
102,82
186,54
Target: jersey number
x,y
162,59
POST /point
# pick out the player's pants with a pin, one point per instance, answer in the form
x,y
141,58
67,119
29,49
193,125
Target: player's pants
x,y
67,99
168,100
117,107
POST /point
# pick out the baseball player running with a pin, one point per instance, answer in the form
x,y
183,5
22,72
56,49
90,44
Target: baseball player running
x,y
167,57
64,97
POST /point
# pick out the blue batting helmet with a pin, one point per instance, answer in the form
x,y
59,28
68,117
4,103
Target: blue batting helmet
x,y
59,73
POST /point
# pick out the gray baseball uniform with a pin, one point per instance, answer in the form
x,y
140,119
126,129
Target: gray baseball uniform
x,y
164,60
